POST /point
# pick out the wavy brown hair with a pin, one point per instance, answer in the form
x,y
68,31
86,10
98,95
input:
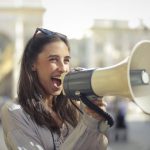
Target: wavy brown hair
x,y
30,92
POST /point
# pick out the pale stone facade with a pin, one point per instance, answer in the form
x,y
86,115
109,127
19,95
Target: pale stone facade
x,y
110,42
18,18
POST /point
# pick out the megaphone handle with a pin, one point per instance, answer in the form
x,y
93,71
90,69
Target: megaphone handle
x,y
106,115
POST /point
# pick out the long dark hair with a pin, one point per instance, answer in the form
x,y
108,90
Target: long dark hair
x,y
30,92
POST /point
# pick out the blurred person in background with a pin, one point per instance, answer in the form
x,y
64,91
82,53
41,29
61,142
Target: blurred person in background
x,y
41,117
121,123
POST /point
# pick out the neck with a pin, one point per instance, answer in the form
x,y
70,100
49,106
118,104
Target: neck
x,y
48,102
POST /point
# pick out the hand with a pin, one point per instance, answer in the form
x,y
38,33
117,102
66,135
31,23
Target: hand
x,y
101,104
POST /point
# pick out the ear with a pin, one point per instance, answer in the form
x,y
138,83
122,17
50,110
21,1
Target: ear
x,y
33,67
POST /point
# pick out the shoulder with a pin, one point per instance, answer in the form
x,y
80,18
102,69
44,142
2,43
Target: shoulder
x,y
11,108
12,105
13,116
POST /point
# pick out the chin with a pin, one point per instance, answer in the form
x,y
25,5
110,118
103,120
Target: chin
x,y
56,93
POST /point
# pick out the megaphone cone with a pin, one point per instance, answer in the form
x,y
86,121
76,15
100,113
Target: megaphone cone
x,y
129,78
117,80
139,59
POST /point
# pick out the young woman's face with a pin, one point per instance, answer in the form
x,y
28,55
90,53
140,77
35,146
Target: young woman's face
x,y
50,64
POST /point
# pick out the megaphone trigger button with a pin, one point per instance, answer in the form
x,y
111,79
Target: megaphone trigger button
x,y
77,93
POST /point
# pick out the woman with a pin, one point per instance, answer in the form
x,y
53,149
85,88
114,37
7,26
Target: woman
x,y
42,118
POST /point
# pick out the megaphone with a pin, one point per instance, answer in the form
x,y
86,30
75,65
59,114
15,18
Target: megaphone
x,y
129,78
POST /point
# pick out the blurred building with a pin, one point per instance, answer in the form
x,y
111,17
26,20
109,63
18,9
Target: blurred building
x,y
18,18
108,42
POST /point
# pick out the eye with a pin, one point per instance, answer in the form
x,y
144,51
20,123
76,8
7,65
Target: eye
x,y
53,59
66,60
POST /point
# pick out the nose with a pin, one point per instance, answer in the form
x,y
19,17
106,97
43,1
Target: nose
x,y
62,67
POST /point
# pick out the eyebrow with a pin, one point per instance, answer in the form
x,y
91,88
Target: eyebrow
x,y
50,56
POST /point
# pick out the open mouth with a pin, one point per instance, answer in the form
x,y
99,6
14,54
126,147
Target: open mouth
x,y
56,81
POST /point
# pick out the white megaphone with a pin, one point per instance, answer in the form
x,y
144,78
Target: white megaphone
x,y
130,78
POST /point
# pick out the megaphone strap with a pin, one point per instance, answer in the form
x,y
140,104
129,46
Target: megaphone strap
x,y
106,115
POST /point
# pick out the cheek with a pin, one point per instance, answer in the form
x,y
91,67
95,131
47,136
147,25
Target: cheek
x,y
43,76
46,69
68,68
44,73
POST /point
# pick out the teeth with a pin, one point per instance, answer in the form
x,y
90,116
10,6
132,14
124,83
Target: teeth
x,y
56,78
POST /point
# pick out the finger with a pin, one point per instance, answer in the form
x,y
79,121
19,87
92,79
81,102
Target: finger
x,y
100,101
92,112
101,105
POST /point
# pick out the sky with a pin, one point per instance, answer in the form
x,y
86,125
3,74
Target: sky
x,y
74,17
